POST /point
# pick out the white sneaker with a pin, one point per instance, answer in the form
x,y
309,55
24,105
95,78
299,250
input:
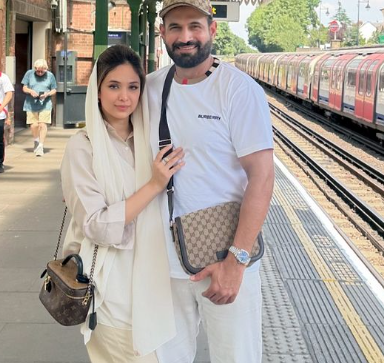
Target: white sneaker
x,y
39,150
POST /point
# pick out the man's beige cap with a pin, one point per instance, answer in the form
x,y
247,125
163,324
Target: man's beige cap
x,y
203,6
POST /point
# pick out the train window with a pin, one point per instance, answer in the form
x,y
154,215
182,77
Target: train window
x,y
270,75
362,78
289,81
381,81
325,74
302,70
351,73
351,79
334,77
339,78
369,84
306,73
316,78
370,77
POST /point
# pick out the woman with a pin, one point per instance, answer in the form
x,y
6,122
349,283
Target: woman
x,y
110,190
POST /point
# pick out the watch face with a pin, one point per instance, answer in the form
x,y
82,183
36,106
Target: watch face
x,y
243,256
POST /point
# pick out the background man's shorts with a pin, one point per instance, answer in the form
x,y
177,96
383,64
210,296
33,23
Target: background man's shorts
x,y
42,116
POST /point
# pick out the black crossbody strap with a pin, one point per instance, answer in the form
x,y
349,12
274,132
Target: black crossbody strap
x,y
164,134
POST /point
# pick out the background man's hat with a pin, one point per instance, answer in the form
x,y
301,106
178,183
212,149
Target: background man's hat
x,y
203,6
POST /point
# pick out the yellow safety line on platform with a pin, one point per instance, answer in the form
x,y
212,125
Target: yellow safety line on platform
x,y
362,335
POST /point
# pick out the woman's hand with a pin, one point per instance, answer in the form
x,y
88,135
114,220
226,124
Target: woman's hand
x,y
164,168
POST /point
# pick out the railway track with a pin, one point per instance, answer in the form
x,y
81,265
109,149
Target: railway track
x,y
349,134
347,182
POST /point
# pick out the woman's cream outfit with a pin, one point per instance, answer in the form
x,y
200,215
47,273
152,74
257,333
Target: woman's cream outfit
x,y
131,274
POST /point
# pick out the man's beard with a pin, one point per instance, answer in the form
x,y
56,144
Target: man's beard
x,y
187,60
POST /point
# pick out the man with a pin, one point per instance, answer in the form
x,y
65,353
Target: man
x,y
6,92
40,86
220,117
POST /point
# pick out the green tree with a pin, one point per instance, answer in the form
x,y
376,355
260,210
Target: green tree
x,y
341,15
241,46
223,44
312,5
281,25
374,39
350,37
318,36
227,43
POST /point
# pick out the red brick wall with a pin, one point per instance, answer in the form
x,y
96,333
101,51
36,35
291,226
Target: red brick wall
x,y
81,24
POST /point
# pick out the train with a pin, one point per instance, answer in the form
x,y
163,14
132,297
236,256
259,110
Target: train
x,y
344,82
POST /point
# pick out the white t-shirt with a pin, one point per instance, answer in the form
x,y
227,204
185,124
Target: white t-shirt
x,y
5,86
216,121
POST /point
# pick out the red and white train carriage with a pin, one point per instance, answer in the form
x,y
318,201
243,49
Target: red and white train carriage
x,y
347,82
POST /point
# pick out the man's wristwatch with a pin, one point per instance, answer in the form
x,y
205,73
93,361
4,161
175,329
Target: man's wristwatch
x,y
242,256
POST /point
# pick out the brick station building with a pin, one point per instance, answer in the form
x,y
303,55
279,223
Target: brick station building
x,y
33,29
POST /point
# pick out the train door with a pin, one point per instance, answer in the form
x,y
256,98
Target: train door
x,y
325,81
280,72
334,74
339,80
380,99
272,68
316,78
290,75
276,68
296,71
369,97
257,71
350,80
283,74
301,78
361,85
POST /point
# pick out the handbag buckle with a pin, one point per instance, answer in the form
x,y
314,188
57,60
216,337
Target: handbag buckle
x,y
163,143
47,283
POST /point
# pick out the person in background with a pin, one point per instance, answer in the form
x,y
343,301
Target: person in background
x,y
6,93
40,85
110,186
220,116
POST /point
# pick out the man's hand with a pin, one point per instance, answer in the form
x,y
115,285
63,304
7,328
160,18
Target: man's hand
x,y
34,94
8,121
226,279
44,95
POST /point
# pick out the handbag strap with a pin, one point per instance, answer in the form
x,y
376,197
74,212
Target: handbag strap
x,y
165,135
60,234
90,283
94,251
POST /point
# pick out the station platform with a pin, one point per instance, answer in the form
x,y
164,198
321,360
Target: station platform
x,y
320,304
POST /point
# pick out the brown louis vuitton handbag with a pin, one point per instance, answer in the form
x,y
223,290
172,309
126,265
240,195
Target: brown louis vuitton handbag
x,y
66,292
203,237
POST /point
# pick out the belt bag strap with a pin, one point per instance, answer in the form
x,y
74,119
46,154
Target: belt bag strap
x,y
165,136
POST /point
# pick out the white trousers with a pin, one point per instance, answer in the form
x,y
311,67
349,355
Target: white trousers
x,y
111,345
234,330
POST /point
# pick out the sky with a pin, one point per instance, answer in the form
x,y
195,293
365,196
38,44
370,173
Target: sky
x,y
373,14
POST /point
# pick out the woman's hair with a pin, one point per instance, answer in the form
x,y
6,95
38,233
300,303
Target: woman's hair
x,y
115,56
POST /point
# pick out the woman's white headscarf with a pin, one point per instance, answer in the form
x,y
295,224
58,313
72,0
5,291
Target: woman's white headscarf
x,y
152,309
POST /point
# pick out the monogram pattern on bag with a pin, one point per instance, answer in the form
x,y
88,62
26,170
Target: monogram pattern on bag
x,y
64,298
206,232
